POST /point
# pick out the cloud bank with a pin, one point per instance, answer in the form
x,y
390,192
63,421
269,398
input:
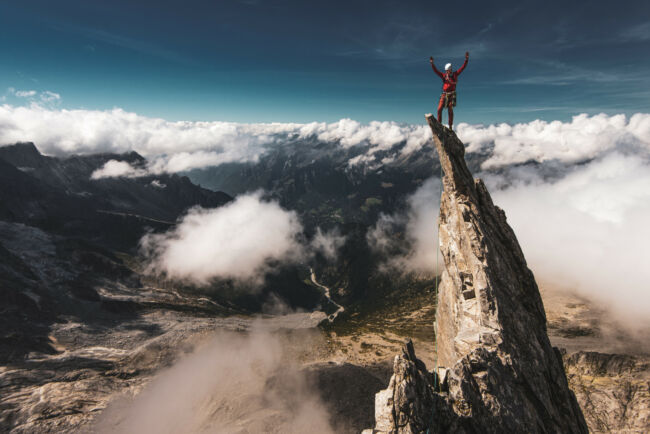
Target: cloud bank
x,y
178,146
585,230
235,241
582,139
588,231
584,223
174,146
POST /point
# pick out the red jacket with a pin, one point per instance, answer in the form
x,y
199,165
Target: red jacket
x,y
449,79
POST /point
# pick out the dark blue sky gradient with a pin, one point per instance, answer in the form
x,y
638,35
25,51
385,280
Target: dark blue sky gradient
x,y
299,61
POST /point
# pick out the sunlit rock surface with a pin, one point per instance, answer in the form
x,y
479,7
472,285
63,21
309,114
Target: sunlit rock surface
x,y
612,389
503,374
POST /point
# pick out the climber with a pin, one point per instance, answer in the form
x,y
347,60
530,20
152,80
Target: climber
x,y
448,97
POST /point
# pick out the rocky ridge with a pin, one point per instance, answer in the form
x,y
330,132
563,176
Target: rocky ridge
x,y
498,371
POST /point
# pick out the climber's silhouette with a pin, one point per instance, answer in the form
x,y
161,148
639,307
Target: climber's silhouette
x,y
448,97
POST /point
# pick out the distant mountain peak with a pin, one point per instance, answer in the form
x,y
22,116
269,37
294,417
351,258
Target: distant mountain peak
x,y
22,154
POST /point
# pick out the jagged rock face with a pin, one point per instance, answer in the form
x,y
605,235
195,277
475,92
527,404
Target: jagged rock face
x,y
491,320
504,375
613,390
407,402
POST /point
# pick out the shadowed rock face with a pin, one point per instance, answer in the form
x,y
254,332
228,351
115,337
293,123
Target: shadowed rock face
x,y
502,373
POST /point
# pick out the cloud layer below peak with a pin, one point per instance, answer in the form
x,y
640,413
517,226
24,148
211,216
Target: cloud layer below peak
x,y
175,146
234,241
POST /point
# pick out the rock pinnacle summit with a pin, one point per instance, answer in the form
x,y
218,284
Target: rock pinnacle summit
x,y
499,372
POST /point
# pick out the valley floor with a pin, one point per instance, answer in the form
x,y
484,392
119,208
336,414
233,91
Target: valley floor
x,y
280,373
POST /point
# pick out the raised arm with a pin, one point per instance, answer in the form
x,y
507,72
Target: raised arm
x,y
464,64
433,65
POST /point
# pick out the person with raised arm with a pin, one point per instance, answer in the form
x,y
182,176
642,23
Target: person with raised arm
x,y
449,80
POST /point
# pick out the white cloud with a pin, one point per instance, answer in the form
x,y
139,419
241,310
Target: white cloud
x,y
420,225
182,145
115,169
178,146
379,236
581,139
328,243
49,96
640,32
593,214
234,241
25,93
586,230
195,160
589,231
45,96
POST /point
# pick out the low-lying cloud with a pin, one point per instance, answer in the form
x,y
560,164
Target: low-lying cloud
x,y
588,231
234,383
328,243
419,224
116,169
242,240
586,223
234,241
585,230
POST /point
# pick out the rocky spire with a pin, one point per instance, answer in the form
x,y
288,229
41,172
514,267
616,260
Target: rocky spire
x,y
502,374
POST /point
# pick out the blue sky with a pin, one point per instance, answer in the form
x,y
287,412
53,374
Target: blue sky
x,y
299,61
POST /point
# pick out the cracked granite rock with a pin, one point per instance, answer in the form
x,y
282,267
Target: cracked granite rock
x,y
502,374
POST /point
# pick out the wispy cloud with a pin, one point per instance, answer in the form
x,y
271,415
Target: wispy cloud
x,y
46,96
25,93
564,74
395,41
49,96
122,41
637,33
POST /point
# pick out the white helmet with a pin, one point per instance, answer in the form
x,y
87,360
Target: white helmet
x,y
448,67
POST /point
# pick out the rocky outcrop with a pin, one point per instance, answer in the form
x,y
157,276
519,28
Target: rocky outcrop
x,y
502,374
407,403
613,390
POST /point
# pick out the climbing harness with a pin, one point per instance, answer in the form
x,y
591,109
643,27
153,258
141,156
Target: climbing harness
x,y
450,98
